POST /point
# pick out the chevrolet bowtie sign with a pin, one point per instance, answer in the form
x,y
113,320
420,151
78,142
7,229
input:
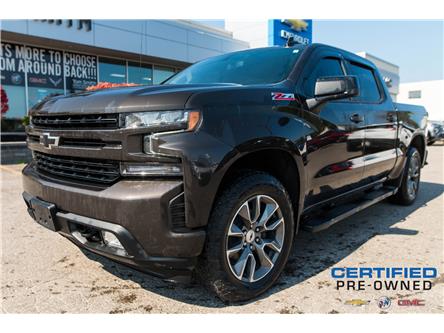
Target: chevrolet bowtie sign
x,y
297,25
281,30
49,141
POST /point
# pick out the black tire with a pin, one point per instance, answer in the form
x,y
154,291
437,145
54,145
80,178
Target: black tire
x,y
431,143
405,196
214,268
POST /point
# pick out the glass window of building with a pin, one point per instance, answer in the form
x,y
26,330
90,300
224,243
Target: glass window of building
x,y
140,73
415,94
112,70
14,103
162,73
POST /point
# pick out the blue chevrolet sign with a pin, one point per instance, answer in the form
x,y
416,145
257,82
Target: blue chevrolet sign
x,y
280,30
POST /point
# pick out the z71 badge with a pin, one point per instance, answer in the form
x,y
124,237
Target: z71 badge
x,y
278,96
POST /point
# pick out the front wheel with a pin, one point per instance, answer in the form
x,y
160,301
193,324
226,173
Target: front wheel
x,y
408,190
249,237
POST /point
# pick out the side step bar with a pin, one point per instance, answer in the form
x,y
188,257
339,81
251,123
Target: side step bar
x,y
339,213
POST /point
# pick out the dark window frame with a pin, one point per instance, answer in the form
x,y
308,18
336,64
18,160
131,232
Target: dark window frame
x,y
315,63
382,94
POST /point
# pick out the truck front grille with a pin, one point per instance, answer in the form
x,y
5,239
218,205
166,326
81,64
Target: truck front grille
x,y
94,121
83,170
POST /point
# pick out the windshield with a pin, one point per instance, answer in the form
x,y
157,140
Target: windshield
x,y
258,66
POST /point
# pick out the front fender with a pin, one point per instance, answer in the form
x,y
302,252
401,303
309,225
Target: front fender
x,y
225,137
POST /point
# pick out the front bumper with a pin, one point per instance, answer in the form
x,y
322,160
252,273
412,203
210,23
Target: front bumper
x,y
135,211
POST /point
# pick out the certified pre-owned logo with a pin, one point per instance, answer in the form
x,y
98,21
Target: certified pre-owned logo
x,y
384,302
49,141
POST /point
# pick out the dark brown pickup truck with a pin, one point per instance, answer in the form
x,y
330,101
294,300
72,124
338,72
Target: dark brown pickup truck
x,y
216,169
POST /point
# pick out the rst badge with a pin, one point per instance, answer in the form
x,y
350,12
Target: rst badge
x,y
49,141
278,96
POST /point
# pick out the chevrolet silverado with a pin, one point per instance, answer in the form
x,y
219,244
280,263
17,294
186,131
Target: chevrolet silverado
x,y
212,173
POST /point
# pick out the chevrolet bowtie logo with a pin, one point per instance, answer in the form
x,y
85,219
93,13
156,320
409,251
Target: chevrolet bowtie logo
x,y
298,25
49,141
357,302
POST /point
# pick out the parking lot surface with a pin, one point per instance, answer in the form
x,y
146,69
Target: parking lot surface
x,y
42,272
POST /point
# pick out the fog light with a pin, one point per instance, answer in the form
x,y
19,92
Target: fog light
x,y
111,240
150,169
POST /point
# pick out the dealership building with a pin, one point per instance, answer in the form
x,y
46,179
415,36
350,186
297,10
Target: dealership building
x,y
43,57
39,58
429,94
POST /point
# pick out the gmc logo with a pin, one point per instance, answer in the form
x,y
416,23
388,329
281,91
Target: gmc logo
x,y
413,302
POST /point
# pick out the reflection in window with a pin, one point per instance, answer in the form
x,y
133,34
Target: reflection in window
x,y
325,67
368,88
36,95
140,73
162,73
112,70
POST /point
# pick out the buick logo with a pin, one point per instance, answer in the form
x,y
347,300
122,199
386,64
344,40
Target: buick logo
x,y
384,302
49,141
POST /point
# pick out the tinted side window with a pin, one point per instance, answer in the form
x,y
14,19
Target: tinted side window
x,y
325,67
368,88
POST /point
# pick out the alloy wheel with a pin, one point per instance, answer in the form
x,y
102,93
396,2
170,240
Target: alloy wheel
x,y
255,238
413,176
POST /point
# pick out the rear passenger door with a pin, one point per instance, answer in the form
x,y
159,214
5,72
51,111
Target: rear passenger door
x,y
380,122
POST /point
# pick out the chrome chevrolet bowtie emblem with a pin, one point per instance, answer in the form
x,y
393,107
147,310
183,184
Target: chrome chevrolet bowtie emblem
x,y
49,141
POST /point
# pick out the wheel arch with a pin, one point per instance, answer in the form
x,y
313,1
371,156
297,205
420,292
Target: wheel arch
x,y
282,164
419,142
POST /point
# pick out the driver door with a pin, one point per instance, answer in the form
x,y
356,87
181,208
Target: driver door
x,y
335,149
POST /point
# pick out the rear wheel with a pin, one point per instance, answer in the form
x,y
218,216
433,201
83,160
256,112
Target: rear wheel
x,y
408,190
249,237
430,140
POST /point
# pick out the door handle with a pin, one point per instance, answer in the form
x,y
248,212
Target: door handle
x,y
357,118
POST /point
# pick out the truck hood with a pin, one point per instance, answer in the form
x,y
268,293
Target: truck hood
x,y
128,99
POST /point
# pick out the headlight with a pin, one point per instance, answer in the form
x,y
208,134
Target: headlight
x,y
163,120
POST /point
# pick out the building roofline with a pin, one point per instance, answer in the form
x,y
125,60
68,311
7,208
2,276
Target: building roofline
x,y
211,30
423,81
207,28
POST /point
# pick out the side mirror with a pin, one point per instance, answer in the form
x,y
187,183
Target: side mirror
x,y
334,88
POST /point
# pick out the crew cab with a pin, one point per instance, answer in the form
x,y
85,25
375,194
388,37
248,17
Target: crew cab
x,y
212,173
